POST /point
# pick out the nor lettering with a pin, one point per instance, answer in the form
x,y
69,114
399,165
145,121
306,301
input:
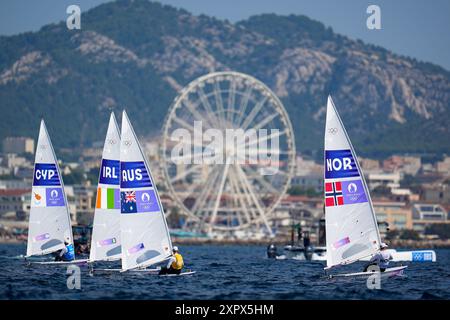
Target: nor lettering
x,y
337,164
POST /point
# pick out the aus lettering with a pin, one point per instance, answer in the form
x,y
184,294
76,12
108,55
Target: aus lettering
x,y
131,175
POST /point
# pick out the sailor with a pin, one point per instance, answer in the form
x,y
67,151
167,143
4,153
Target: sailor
x,y
380,259
271,251
67,253
175,264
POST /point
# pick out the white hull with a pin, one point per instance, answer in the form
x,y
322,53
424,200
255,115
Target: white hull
x,y
398,256
79,261
112,270
388,273
143,271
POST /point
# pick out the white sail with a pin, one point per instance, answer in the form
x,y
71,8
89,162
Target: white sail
x,y
144,232
49,223
351,225
105,243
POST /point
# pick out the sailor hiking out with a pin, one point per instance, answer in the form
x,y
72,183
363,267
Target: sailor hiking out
x,y
175,263
380,259
67,253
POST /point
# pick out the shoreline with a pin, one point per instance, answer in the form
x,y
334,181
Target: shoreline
x,y
412,244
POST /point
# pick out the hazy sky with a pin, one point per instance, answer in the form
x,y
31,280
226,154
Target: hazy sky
x,y
418,28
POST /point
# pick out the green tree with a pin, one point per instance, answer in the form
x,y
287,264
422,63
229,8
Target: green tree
x,y
301,191
392,234
409,234
75,177
442,230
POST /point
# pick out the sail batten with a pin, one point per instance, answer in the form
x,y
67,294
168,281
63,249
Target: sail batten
x,y
351,227
144,232
49,222
105,243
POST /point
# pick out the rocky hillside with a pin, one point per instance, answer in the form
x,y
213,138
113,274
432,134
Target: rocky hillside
x,y
138,54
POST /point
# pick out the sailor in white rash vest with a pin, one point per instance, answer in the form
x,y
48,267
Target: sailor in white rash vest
x,y
380,259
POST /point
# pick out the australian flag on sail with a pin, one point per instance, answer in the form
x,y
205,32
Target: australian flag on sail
x,y
128,202
139,201
45,174
340,164
134,175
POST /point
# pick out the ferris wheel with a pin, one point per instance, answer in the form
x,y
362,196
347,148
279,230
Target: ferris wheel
x,y
242,189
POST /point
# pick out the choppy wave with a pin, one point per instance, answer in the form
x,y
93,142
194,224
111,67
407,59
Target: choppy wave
x,y
223,272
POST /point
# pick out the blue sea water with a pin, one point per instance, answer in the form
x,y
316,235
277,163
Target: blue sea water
x,y
223,272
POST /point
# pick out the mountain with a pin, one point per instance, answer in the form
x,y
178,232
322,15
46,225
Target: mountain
x,y
138,54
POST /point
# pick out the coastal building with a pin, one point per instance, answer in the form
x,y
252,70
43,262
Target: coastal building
x,y
429,212
425,214
312,180
369,165
5,171
18,145
404,194
85,196
396,214
436,192
25,173
305,166
15,203
71,199
14,184
151,149
428,168
296,210
91,157
444,166
12,161
92,152
308,175
389,180
403,164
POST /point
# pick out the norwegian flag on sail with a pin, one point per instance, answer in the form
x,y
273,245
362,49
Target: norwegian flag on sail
x,y
333,194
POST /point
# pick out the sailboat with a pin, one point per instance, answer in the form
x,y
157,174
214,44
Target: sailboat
x,y
351,226
105,242
145,237
49,222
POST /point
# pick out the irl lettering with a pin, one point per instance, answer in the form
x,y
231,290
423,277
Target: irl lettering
x,y
109,172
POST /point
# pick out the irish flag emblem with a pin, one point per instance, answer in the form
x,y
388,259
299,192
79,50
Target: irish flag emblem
x,y
108,198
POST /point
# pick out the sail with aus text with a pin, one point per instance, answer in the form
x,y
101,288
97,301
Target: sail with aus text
x,y
144,232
